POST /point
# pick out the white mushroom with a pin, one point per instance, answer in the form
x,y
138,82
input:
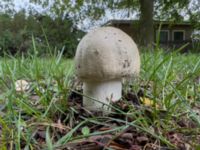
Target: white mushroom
x,y
22,85
104,56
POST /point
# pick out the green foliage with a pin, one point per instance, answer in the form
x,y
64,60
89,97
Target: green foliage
x,y
58,33
163,9
146,10
170,80
196,46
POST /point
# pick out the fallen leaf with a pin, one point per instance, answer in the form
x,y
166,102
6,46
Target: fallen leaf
x,y
135,147
116,146
105,129
148,102
127,136
142,139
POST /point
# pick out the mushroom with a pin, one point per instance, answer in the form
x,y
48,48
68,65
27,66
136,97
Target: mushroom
x,y
104,56
22,85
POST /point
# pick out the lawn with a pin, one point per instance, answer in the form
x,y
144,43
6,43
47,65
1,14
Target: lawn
x,y
159,109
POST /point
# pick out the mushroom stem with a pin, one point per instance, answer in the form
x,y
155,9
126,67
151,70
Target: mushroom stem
x,y
103,91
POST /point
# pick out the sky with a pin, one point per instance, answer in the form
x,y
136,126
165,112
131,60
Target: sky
x,y
19,4
25,4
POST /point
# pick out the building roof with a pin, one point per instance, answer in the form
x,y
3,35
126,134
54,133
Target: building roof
x,y
156,22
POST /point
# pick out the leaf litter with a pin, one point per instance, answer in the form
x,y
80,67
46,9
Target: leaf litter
x,y
118,131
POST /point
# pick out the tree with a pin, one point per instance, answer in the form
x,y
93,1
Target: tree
x,y
147,10
16,33
7,6
146,22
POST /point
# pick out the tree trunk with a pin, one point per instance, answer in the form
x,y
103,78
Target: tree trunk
x,y
146,23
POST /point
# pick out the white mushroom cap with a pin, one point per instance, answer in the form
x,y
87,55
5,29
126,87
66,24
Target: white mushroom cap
x,y
22,85
106,53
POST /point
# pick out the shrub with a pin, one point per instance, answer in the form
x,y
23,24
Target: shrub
x,y
50,35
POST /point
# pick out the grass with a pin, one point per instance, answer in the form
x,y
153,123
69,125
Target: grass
x,y
43,118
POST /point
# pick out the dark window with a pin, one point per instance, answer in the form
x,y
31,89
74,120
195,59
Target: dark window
x,y
164,36
178,36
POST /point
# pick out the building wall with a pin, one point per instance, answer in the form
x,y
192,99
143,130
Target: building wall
x,y
187,31
133,30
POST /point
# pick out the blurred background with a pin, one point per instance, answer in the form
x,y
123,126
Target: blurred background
x,y
55,26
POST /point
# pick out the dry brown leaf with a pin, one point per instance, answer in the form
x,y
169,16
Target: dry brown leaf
x,y
116,146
